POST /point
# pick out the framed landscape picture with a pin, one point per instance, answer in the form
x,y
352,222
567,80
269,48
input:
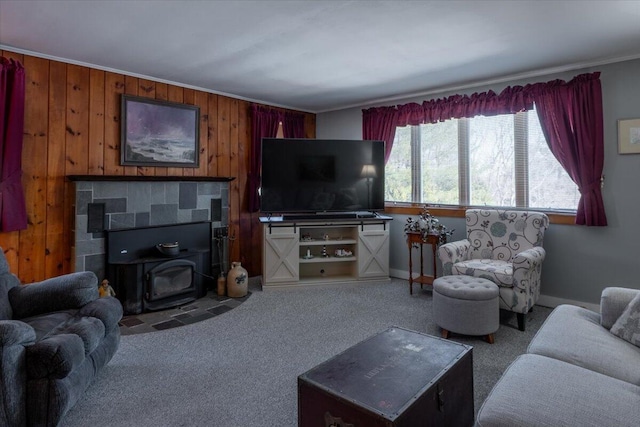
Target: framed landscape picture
x,y
629,136
158,133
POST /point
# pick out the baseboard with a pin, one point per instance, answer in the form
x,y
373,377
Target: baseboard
x,y
544,300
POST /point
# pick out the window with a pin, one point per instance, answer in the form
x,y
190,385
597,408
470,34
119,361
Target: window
x,y
500,161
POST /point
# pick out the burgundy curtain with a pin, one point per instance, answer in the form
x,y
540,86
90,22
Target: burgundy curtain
x,y
264,124
292,125
571,119
380,124
13,212
570,116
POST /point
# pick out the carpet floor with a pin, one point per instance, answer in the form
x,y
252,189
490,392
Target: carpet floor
x,y
240,368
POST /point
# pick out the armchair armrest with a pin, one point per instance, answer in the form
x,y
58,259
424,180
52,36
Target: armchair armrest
x,y
527,268
613,301
530,257
15,332
107,309
15,338
64,292
55,356
453,252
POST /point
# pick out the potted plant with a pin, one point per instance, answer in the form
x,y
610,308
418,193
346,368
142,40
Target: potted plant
x,y
426,225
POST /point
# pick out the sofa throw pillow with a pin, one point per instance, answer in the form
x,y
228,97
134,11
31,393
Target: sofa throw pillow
x,y
627,326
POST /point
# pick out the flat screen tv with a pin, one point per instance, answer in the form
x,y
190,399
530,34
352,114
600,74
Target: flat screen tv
x,y
321,175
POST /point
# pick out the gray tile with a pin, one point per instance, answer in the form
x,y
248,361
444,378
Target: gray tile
x,y
115,205
184,215
224,195
83,198
90,247
208,188
109,190
215,205
163,214
219,309
221,298
233,303
168,324
172,192
225,215
139,196
155,317
200,317
122,220
198,310
79,263
81,228
200,215
84,185
158,193
182,317
205,303
96,264
130,321
142,219
188,198
203,202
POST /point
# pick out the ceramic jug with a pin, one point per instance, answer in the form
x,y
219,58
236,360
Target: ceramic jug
x,y
237,281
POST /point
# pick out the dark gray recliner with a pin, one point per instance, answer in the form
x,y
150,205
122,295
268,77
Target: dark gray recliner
x,y
55,336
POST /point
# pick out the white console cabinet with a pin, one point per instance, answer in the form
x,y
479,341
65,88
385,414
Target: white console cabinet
x,y
321,252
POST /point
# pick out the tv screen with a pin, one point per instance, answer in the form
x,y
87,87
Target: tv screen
x,y
321,175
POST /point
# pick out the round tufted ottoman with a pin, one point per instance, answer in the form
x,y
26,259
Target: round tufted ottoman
x,y
466,305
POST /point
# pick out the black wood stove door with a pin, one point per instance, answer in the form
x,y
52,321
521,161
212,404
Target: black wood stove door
x,y
169,279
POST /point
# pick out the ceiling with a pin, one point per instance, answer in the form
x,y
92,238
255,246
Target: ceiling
x,y
320,56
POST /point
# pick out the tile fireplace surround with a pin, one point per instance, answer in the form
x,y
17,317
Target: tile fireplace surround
x,y
138,201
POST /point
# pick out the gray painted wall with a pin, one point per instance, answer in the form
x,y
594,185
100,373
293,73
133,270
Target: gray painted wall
x,y
581,260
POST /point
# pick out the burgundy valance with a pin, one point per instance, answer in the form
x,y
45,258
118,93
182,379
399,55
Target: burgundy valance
x,y
511,100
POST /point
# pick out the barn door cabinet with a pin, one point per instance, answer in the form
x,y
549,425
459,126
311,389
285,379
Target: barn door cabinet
x,y
306,253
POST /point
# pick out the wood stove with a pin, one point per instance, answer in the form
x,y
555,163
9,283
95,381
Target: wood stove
x,y
146,278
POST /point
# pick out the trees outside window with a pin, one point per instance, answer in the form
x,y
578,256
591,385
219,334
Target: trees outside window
x,y
498,161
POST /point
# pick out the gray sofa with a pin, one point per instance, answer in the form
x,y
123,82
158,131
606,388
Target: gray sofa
x,y
575,373
55,336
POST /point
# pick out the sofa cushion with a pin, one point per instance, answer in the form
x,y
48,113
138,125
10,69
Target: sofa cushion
x,y
45,323
613,302
627,326
540,391
574,335
498,271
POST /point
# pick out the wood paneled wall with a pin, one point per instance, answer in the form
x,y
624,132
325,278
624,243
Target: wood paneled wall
x,y
72,127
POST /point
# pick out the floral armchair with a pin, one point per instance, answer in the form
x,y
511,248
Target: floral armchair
x,y
504,247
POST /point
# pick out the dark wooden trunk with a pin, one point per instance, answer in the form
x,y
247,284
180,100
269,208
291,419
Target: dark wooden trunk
x,y
397,378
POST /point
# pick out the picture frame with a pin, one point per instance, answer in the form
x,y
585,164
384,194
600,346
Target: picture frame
x,y
629,136
159,133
